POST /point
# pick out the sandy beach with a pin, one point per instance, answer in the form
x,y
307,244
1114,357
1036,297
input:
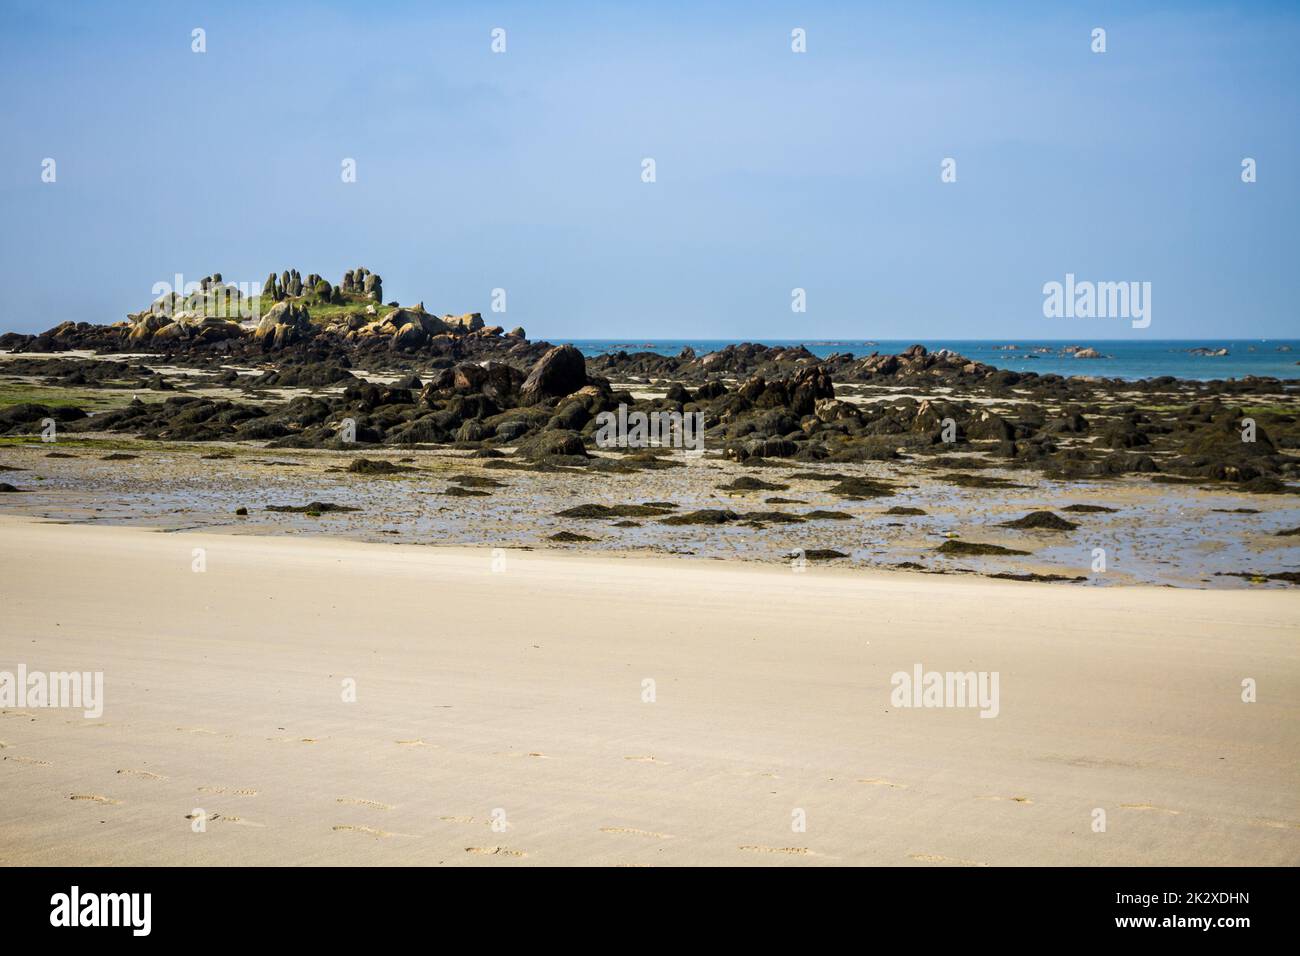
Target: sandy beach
x,y
501,712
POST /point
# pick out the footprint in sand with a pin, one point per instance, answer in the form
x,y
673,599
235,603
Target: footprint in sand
x,y
494,851
1147,806
358,802
94,798
788,850
633,831
935,858
877,782
238,792
368,831
238,821
31,761
1092,762
1276,824
148,775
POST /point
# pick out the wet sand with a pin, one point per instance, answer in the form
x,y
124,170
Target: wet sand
x,y
513,690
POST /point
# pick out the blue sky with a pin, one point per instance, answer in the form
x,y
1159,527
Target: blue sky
x,y
775,170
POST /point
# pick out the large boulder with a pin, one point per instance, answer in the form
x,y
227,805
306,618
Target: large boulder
x,y
284,324
989,425
409,336
172,332
469,322
834,410
496,380
561,371
810,386
145,324
430,324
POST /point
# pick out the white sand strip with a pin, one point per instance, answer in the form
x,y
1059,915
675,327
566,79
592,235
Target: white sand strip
x,y
520,692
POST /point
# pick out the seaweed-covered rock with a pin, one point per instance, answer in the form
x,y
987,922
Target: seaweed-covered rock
x,y
552,442
1042,521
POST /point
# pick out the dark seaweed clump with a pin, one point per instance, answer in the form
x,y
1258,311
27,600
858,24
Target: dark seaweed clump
x,y
967,548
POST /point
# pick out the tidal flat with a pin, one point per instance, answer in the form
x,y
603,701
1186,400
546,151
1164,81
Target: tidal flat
x,y
1181,535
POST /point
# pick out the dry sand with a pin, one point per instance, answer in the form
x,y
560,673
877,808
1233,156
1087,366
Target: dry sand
x,y
519,691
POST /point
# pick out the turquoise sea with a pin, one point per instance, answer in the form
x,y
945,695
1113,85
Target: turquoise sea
x,y
1125,359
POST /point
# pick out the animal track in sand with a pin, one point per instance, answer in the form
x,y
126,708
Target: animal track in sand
x,y
936,858
238,792
32,761
368,831
1148,806
877,782
633,831
789,850
94,798
494,851
148,775
358,802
